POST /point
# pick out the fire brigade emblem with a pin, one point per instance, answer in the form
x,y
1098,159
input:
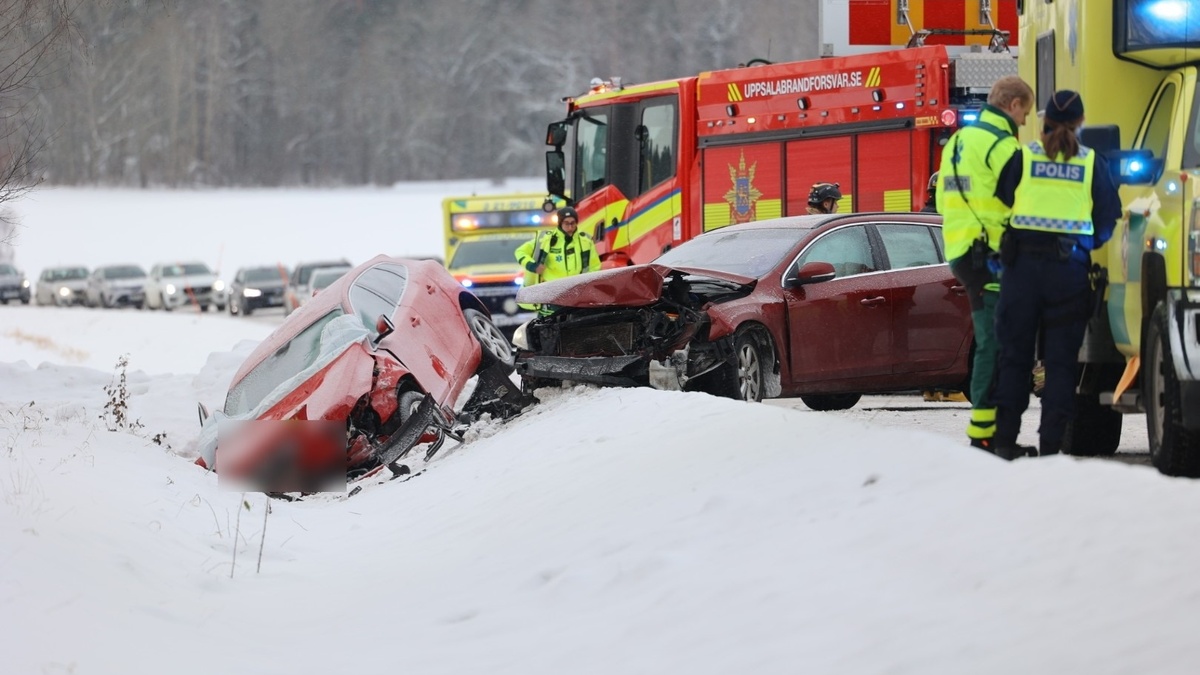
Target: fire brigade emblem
x,y
743,197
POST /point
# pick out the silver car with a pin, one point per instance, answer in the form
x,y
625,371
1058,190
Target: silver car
x,y
116,286
62,286
172,285
13,284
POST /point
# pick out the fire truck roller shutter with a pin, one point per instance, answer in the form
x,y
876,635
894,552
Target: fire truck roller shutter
x,y
819,160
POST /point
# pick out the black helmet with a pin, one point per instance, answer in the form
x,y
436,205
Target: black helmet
x,y
567,212
933,181
822,191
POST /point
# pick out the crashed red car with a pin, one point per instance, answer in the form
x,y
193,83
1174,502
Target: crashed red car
x,y
826,308
383,353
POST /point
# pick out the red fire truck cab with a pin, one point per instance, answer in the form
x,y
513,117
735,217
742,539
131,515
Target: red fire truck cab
x,y
653,165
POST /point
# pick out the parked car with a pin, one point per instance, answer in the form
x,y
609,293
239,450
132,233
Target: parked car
x,y
62,286
383,354
826,308
116,286
14,285
257,288
297,289
172,285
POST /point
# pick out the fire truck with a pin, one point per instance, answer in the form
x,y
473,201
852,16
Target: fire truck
x,y
1135,64
649,166
481,236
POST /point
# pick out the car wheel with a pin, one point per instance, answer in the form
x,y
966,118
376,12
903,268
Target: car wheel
x,y
233,308
162,298
1095,431
1174,450
496,348
826,402
746,378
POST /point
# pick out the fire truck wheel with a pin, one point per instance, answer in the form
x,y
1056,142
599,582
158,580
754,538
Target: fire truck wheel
x,y
1095,431
1174,450
495,347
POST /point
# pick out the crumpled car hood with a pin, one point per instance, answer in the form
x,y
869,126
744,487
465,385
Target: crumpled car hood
x,y
634,286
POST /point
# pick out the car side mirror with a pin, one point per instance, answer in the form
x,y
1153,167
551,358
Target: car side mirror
x,y
383,327
813,272
556,133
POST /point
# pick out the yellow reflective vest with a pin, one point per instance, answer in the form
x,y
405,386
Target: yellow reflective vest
x,y
966,190
561,257
1054,196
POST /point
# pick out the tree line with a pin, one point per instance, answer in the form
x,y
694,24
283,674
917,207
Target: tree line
x,y
354,92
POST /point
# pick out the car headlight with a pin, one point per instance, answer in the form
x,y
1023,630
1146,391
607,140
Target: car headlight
x,y
24,283
64,291
218,285
170,289
251,292
519,339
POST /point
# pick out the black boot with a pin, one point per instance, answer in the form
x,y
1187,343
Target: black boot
x,y
1011,451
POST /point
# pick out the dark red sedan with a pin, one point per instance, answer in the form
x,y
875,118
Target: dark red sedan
x,y
827,308
379,359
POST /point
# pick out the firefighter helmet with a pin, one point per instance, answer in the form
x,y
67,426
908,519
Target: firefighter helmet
x,y
822,191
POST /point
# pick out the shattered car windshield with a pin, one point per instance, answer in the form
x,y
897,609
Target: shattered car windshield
x,y
747,252
285,363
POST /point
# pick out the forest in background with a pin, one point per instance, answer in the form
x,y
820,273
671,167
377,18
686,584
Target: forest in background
x,y
167,93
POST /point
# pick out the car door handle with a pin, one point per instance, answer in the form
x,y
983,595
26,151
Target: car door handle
x,y
959,289
871,302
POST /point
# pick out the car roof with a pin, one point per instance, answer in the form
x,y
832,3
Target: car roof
x,y
810,222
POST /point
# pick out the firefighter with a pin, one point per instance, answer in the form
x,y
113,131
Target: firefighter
x,y
823,198
931,195
1064,205
554,255
972,222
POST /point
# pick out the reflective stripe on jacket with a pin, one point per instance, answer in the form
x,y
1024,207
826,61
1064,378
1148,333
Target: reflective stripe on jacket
x,y
967,177
1054,196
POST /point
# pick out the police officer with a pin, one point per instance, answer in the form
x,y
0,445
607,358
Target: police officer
x,y
550,256
1064,205
823,198
972,222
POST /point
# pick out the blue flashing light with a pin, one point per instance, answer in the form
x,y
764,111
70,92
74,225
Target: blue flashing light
x,y
1168,10
968,117
520,280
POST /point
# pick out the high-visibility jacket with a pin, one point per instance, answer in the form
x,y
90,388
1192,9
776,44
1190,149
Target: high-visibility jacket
x,y
562,257
966,190
1054,196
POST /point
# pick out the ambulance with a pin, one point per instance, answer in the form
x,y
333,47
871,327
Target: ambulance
x,y
649,166
481,236
1135,64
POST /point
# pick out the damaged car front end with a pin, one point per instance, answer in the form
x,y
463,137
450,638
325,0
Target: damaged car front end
x,y
647,325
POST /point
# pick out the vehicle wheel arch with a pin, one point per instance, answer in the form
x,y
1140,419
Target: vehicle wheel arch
x,y
468,300
1154,287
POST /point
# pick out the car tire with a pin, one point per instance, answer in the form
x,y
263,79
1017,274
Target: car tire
x,y
165,306
746,378
1174,450
1095,431
494,346
828,402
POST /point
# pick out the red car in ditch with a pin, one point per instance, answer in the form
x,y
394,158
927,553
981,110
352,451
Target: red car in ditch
x,y
826,308
381,357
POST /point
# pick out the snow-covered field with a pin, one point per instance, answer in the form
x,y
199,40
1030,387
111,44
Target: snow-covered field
x,y
604,531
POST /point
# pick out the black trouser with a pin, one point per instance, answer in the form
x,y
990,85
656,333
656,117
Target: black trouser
x,y
1042,288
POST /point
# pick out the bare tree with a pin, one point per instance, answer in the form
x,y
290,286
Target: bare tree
x,y
32,32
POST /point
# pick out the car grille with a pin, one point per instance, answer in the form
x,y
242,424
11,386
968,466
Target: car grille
x,y
607,340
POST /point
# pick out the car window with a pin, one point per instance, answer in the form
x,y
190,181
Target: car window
x,y
846,248
908,245
377,291
749,252
260,275
196,268
292,358
7,269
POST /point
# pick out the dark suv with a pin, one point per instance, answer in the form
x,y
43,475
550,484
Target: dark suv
x,y
299,280
256,288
